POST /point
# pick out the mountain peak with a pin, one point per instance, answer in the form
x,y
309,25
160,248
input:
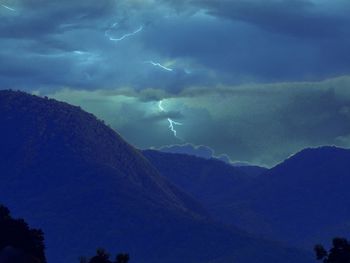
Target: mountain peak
x,y
317,157
44,132
69,174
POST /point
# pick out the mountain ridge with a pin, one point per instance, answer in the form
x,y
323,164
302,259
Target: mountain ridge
x,y
87,188
300,202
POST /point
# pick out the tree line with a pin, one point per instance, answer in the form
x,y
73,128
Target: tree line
x,y
21,244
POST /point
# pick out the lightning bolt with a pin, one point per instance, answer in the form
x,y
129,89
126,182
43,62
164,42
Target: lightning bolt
x,y
172,123
124,36
160,106
8,8
156,64
171,126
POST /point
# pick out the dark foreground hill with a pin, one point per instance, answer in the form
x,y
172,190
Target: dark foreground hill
x,y
302,201
75,178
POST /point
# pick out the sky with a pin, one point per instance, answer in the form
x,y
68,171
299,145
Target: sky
x,y
253,80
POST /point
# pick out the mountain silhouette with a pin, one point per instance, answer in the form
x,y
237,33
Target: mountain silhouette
x,y
69,174
300,202
204,179
306,199
221,188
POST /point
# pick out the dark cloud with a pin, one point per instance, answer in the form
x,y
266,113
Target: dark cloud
x,y
34,19
239,52
204,42
299,17
302,18
210,54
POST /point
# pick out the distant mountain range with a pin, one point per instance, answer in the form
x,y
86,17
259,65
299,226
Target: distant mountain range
x,y
201,151
302,201
190,149
85,187
208,181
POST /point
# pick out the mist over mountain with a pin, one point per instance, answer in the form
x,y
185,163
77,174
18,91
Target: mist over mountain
x,y
71,175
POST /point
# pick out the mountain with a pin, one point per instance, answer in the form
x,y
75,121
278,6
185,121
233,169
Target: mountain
x,y
219,187
207,180
251,170
300,202
69,174
306,199
190,149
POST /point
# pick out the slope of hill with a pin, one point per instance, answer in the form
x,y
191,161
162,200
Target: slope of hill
x,y
306,198
75,178
220,187
208,180
300,202
252,170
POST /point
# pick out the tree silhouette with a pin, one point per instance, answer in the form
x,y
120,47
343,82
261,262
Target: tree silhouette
x,y
18,242
102,256
339,253
122,258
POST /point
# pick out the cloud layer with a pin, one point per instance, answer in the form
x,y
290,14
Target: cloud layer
x,y
256,123
64,43
255,80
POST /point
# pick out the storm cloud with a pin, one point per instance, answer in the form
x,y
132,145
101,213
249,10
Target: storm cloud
x,y
251,79
255,123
